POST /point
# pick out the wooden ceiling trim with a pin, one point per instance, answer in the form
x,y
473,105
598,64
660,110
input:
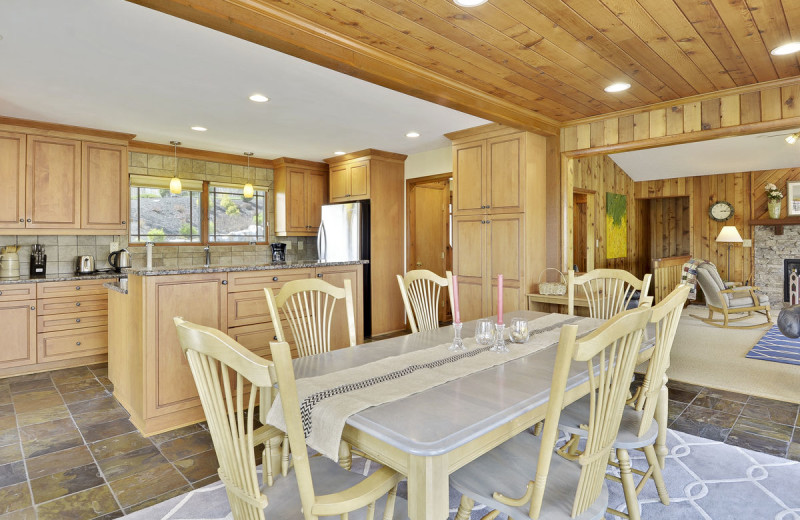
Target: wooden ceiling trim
x,y
285,32
773,29
744,31
792,10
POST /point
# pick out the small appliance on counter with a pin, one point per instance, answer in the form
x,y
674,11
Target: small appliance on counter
x,y
84,264
38,265
119,259
9,262
278,252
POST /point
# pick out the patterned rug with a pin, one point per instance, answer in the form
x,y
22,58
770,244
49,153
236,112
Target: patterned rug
x,y
774,346
705,479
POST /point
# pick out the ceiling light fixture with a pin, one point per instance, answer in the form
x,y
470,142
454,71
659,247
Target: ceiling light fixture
x,y
175,184
617,87
259,98
791,139
338,153
469,3
788,48
247,191
199,128
412,134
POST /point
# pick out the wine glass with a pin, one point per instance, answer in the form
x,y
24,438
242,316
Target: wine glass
x,y
519,330
484,332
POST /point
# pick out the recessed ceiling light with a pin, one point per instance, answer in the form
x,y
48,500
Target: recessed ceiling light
x,y
617,87
412,134
338,153
199,128
469,3
788,48
259,98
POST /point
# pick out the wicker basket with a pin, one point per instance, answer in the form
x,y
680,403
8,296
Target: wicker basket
x,y
552,288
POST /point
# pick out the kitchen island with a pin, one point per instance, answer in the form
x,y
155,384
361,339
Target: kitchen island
x,y
145,362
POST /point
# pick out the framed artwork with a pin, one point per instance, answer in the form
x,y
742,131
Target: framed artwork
x,y
617,225
793,198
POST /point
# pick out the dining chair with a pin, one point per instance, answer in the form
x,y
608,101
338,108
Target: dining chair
x,y
608,291
561,488
421,290
231,381
638,429
344,493
308,306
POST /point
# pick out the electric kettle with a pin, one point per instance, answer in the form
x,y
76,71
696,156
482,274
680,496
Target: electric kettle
x,y
119,259
9,262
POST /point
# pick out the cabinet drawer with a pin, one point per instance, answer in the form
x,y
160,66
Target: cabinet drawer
x,y
75,287
258,280
73,320
247,308
69,344
17,291
82,303
256,338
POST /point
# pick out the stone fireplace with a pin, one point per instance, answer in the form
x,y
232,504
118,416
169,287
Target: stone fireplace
x,y
770,251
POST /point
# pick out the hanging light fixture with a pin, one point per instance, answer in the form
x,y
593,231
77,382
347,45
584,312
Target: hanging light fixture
x,y
175,184
791,139
247,192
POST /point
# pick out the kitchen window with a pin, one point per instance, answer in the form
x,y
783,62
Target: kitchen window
x,y
234,218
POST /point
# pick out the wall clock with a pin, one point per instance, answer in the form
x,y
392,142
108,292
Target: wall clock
x,y
721,211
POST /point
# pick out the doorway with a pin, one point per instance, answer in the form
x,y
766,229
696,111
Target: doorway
x,y
582,230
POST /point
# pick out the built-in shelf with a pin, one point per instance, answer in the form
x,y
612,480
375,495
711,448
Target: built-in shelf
x,y
777,223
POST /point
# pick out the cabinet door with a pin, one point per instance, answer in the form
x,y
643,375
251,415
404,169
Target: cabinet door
x,y
339,183
19,333
316,197
12,179
296,200
336,275
359,180
469,263
197,298
504,245
468,176
104,186
505,185
53,189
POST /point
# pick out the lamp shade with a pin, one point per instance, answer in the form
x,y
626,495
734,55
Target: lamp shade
x,y
729,234
175,186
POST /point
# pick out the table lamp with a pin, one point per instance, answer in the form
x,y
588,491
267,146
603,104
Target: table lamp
x,y
729,235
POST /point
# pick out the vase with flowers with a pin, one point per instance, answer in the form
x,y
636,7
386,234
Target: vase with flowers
x,y
774,200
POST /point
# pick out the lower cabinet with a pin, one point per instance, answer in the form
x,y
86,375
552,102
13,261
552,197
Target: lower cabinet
x,y
19,333
72,343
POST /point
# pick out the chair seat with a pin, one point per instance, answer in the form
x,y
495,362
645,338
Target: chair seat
x,y
576,414
518,458
747,301
329,477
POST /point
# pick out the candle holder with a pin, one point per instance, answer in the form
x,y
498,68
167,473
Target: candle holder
x,y
499,340
458,343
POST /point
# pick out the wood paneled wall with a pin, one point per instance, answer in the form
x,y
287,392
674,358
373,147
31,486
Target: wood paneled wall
x,y
669,222
777,177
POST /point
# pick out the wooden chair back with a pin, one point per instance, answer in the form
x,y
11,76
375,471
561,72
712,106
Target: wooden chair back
x,y
666,315
608,291
308,306
421,290
231,381
610,354
667,274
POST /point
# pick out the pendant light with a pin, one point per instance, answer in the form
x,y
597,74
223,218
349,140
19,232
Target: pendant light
x,y
247,192
175,184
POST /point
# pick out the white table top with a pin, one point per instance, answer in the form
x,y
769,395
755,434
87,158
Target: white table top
x,y
445,417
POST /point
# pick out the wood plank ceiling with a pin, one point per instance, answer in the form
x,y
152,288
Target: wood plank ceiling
x,y
539,62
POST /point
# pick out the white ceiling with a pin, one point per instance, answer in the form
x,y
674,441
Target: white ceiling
x,y
767,151
113,65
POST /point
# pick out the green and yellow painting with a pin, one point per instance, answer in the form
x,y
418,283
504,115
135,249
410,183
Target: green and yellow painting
x,y
616,225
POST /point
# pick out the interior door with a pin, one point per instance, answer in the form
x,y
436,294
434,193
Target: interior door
x,y
428,238
579,231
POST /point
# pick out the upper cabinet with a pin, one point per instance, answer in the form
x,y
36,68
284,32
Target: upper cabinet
x,y
350,181
301,188
63,182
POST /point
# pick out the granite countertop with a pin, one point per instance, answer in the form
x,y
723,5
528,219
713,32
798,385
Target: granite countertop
x,y
120,286
61,277
199,269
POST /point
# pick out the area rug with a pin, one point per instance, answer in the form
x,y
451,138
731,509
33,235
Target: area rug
x,y
774,346
705,480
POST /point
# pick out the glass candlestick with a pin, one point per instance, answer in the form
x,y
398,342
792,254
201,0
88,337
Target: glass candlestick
x,y
458,343
499,340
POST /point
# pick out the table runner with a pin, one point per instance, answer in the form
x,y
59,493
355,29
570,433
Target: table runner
x,y
327,401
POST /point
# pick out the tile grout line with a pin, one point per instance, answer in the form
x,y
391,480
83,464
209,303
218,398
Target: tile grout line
x,y
22,453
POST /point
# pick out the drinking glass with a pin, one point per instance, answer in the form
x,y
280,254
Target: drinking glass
x,y
484,332
519,330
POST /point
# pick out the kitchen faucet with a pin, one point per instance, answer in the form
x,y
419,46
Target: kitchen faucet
x,y
207,249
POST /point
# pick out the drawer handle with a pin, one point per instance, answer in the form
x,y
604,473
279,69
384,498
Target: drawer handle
x,y
77,304
275,338
77,287
77,320
78,343
22,220
224,282
319,275
29,220
274,278
33,308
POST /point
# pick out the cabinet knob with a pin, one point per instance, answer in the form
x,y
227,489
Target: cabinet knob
x,y
77,287
483,207
275,338
77,304
488,221
33,308
319,275
274,278
224,282
22,220
78,343
488,206
29,220
77,320
123,222
1,293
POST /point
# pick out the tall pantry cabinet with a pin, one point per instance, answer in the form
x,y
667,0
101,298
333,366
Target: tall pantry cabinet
x,y
499,216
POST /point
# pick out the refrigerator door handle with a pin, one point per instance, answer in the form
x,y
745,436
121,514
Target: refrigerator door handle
x,y
321,253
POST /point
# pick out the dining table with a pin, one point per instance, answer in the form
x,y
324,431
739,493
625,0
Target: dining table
x,y
428,435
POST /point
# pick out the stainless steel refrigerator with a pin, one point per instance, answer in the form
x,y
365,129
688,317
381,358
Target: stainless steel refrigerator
x,y
344,236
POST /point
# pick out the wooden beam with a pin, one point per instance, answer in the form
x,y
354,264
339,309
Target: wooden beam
x,y
264,24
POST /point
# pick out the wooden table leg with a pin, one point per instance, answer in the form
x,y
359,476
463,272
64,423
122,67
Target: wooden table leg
x,y
662,411
428,488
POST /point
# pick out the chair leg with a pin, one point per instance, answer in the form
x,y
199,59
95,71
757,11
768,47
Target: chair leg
x,y
285,456
465,508
628,487
537,428
345,456
658,478
662,417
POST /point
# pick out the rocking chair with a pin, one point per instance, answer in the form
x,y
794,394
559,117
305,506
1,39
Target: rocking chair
x,y
727,301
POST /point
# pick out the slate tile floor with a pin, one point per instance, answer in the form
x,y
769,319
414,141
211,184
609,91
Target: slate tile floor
x,y
68,450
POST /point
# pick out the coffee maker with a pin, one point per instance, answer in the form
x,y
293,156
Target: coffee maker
x,y
38,264
278,252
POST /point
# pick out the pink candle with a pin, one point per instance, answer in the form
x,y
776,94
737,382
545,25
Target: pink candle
x,y
456,313
499,299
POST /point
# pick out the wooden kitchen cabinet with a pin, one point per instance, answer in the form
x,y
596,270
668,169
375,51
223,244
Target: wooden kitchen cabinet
x,y
301,188
349,181
53,184
19,333
104,186
12,179
336,275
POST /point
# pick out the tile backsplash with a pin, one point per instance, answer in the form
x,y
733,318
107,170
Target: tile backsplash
x,y
61,250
